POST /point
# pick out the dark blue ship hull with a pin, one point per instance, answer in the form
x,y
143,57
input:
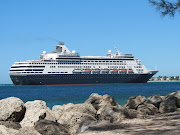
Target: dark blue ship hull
x,y
60,79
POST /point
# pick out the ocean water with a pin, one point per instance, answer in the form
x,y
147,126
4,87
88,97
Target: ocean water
x,y
63,94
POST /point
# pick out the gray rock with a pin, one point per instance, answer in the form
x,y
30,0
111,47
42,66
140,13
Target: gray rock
x,y
36,110
83,108
11,109
46,127
114,114
74,120
58,110
22,131
99,102
177,94
155,100
28,131
10,124
134,101
169,104
147,109
8,131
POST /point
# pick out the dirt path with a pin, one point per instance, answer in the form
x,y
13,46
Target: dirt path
x,y
164,124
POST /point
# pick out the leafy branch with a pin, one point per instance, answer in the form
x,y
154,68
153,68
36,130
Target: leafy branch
x,y
166,7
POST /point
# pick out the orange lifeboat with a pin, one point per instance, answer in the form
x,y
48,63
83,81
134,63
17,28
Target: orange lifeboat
x,y
123,69
86,69
130,71
114,69
95,70
105,69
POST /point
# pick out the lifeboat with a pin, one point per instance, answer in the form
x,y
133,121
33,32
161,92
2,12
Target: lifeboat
x,y
95,70
104,70
130,71
86,71
123,71
114,71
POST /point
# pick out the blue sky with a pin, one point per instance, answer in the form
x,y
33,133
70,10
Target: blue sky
x,y
91,27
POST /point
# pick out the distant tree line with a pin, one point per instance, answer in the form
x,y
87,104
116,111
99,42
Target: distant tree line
x,y
166,77
166,7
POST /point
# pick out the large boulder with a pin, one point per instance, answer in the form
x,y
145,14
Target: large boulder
x,y
99,102
134,101
74,120
46,127
36,110
169,104
8,131
147,109
12,109
58,110
177,94
83,108
22,131
155,100
11,124
28,131
115,113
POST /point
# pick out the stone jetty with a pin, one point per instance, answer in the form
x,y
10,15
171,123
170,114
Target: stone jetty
x,y
99,114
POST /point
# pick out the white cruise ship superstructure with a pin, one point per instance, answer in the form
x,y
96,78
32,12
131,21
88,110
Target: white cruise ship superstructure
x,y
64,67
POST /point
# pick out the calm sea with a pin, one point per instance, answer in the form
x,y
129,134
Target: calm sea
x,y
63,94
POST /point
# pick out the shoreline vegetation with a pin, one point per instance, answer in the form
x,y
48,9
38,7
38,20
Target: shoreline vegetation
x,y
99,114
165,79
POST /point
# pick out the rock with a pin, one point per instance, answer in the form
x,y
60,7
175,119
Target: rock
x,y
155,100
177,94
134,101
22,131
169,104
58,110
36,110
46,127
28,131
10,124
12,109
148,109
99,102
114,114
74,120
163,97
8,131
83,108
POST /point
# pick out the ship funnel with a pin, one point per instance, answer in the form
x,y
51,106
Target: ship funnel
x,y
61,43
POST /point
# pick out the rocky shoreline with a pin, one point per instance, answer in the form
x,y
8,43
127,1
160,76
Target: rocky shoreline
x,y
100,115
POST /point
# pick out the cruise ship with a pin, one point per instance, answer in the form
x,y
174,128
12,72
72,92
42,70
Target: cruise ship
x,y
62,66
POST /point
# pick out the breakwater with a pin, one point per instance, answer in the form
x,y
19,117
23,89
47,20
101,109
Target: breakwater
x,y
35,118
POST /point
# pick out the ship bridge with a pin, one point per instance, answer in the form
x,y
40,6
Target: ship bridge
x,y
61,51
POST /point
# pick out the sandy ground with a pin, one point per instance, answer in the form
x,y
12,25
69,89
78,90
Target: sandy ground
x,y
160,124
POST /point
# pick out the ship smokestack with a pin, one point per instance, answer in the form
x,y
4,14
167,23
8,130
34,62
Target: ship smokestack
x,y
61,43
